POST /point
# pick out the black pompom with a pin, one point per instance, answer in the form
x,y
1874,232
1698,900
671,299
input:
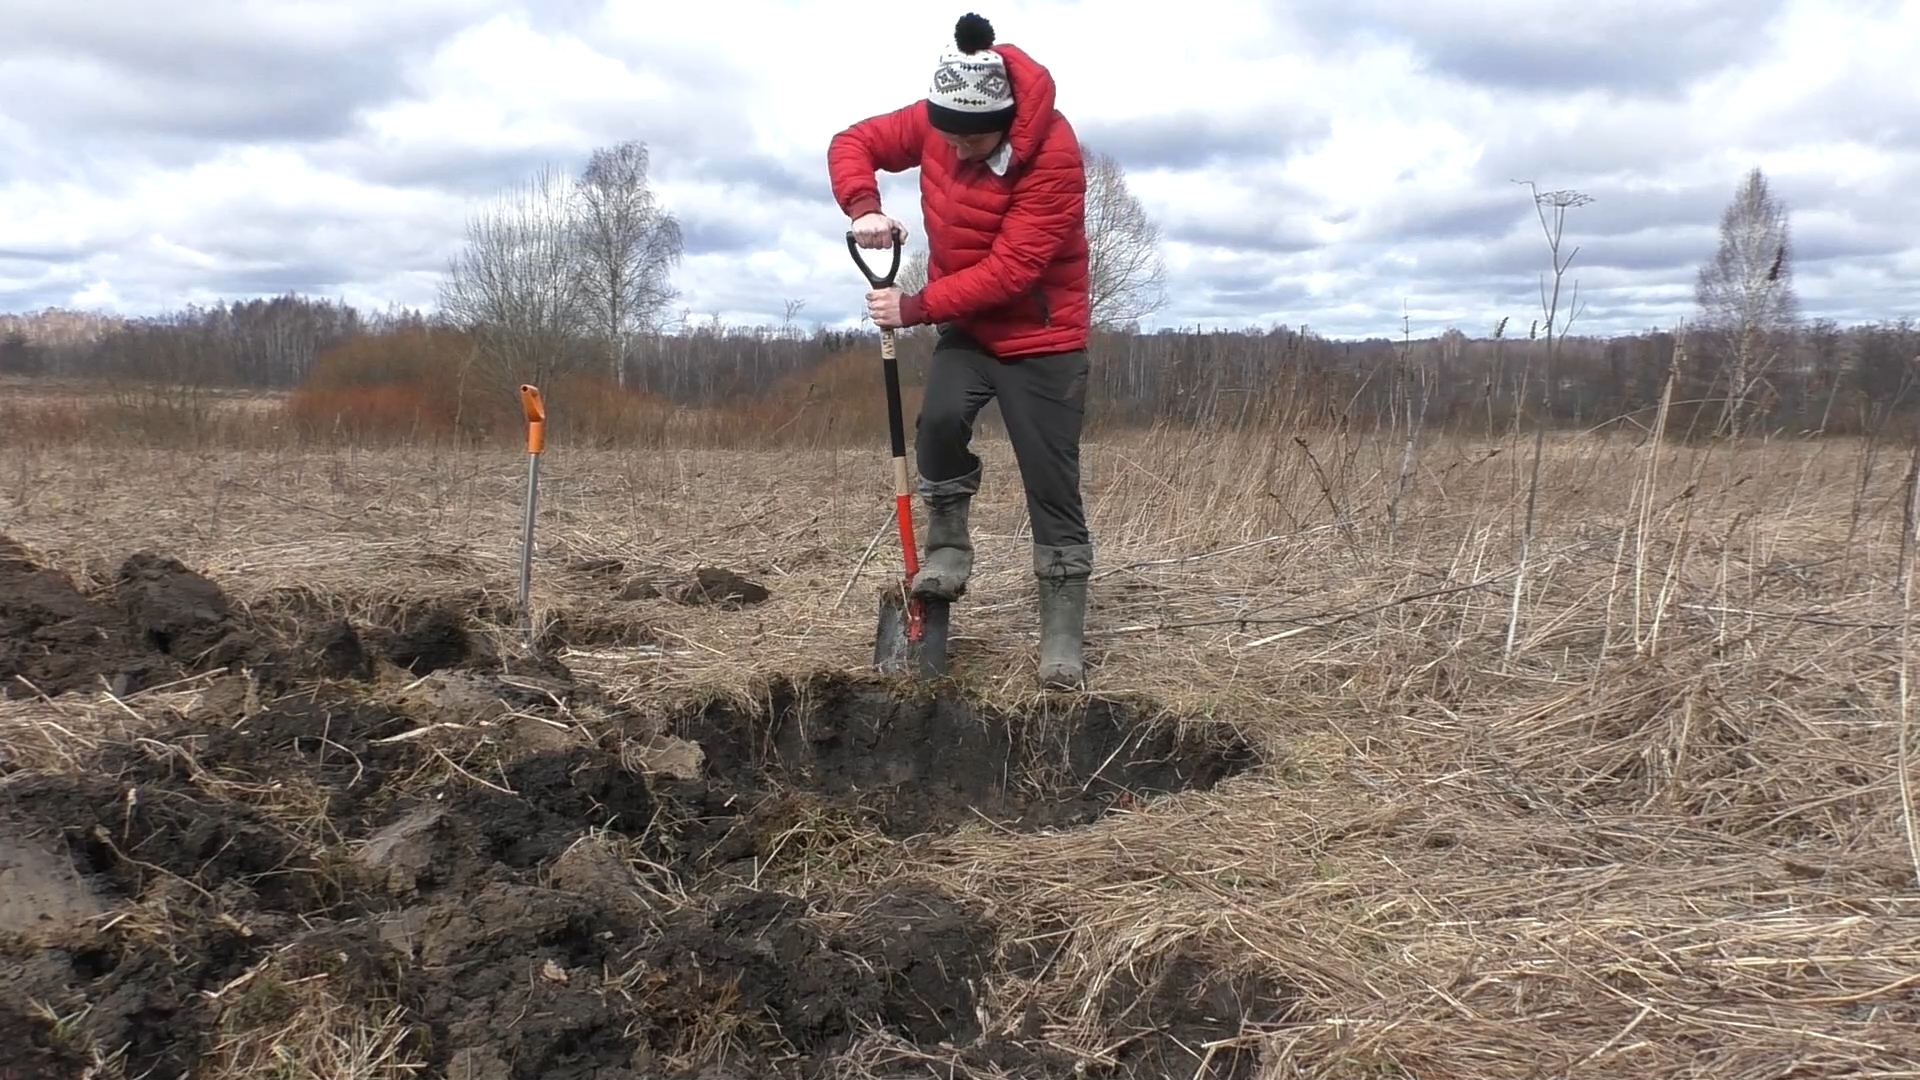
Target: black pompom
x,y
972,33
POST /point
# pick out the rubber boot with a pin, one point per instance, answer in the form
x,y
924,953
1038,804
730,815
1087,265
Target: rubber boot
x,y
1061,573
946,552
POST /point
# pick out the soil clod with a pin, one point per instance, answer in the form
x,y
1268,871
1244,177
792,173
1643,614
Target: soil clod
x,y
179,613
342,654
596,566
39,890
637,589
430,639
1174,1012
159,621
719,587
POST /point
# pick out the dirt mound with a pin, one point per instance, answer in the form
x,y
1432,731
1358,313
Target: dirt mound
x,y
449,876
720,587
157,620
53,639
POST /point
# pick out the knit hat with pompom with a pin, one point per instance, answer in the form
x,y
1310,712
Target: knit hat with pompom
x,y
971,94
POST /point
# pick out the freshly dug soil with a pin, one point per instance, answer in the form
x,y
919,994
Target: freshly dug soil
x,y
158,621
491,902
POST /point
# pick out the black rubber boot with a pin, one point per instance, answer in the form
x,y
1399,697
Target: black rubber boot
x,y
946,552
1061,573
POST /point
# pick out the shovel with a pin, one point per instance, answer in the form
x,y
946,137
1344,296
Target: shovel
x,y
536,413
912,632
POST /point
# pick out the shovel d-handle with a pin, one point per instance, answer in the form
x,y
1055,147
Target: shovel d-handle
x,y
877,281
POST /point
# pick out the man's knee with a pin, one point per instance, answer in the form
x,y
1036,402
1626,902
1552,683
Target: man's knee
x,y
943,436
944,421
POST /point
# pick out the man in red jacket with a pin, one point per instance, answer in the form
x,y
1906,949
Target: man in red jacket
x,y
1002,190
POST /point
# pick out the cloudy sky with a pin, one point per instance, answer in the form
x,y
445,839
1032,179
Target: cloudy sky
x,y
1320,162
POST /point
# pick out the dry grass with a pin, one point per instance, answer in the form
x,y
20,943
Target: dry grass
x,y
1666,835
294,1018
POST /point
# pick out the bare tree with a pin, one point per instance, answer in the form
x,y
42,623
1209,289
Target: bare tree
x,y
516,285
628,245
1126,275
912,279
913,272
1747,304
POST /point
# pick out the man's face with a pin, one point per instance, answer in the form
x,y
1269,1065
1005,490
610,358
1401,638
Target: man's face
x,y
973,147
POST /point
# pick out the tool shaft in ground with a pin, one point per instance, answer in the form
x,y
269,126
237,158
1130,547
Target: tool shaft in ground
x,y
526,534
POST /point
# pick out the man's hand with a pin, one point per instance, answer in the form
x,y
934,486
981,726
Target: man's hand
x,y
877,231
883,307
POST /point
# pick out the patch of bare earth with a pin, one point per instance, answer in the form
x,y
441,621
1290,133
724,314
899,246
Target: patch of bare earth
x,y
1354,796
381,851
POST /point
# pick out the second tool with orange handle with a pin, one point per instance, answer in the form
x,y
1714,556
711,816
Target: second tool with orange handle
x,y
536,414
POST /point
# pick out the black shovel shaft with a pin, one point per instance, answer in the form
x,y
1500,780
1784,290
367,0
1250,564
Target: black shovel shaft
x,y
896,419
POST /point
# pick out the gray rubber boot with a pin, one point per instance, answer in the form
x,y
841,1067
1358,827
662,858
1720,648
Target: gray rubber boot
x,y
1061,573
946,552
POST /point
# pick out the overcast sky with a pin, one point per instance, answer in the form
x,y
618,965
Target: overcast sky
x,y
1317,162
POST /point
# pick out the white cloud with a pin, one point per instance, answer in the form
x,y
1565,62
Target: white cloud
x,y
1328,162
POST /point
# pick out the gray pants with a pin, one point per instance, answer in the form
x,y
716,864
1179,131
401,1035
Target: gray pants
x,y
1043,403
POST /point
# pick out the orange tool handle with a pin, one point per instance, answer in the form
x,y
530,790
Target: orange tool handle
x,y
536,411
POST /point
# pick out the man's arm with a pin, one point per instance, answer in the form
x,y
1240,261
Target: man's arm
x,y
891,141
1048,204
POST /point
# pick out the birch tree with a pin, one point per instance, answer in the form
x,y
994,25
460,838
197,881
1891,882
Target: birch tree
x,y
628,247
913,271
1748,309
1126,275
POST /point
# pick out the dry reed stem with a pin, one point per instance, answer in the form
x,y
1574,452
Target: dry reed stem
x,y
1585,860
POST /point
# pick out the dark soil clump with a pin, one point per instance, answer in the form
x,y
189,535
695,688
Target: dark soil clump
x,y
158,621
907,962
719,587
429,639
556,797
179,614
34,1051
126,838
341,653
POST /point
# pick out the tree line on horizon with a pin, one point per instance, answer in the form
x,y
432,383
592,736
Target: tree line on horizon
x,y
567,280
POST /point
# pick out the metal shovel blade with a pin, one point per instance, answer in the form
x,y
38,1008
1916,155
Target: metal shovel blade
x,y
933,638
894,650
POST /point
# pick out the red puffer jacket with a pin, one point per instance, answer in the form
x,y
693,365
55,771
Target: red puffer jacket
x,y
1007,255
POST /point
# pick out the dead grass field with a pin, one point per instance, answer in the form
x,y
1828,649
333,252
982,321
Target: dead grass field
x,y
1668,835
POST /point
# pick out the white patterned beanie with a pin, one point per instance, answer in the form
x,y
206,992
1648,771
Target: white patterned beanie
x,y
971,94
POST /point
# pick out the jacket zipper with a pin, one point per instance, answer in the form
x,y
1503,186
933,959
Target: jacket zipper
x,y
1040,299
